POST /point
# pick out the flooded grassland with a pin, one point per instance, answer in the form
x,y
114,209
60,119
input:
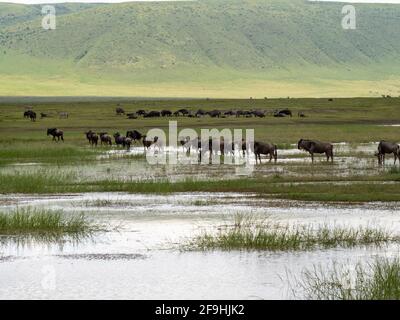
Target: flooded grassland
x,y
83,222
139,249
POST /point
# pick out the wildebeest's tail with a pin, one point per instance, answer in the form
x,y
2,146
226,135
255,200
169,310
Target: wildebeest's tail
x,y
275,152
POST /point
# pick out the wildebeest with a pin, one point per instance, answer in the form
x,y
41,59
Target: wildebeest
x,y
105,138
131,115
166,113
313,146
134,135
124,141
200,113
56,133
239,113
119,140
193,144
63,115
228,148
128,142
152,114
259,114
30,114
184,143
214,114
183,112
119,111
141,112
148,143
384,148
229,113
43,115
265,148
92,137
301,115
283,113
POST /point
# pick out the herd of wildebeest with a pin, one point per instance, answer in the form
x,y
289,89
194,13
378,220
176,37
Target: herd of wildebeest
x,y
182,113
201,113
258,148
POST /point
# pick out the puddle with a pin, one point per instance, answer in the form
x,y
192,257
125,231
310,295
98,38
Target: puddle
x,y
140,255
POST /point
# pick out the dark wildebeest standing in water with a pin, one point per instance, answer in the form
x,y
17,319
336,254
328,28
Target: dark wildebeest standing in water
x,y
148,143
56,133
119,140
266,149
105,138
134,135
92,137
388,148
316,147
124,141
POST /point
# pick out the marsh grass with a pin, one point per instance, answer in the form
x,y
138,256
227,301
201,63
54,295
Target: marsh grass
x,y
394,170
42,181
276,186
379,280
252,233
48,152
43,224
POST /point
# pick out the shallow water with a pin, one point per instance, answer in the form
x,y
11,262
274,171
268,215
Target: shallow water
x,y
118,164
139,255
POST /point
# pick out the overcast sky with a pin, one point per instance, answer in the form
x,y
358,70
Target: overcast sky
x,y
116,1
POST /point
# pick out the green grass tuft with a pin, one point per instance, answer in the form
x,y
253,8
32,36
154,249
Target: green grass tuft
x,y
43,223
250,233
379,280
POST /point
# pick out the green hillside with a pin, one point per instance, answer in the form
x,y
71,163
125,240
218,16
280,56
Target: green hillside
x,y
210,48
